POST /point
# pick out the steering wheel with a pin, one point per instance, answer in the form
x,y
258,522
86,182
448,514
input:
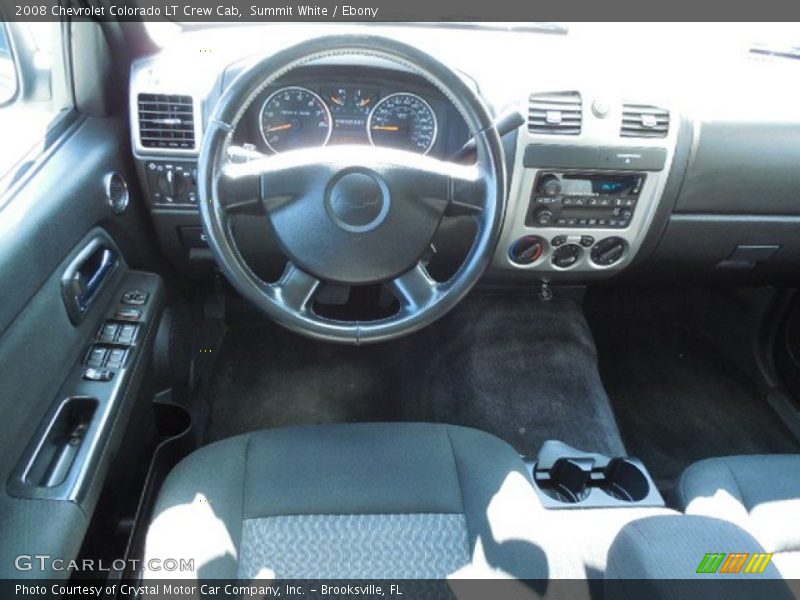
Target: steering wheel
x,y
351,215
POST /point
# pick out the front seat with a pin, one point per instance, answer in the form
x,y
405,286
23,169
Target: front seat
x,y
354,501
760,493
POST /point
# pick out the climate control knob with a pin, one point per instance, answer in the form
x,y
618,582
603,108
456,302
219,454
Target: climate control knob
x,y
566,256
608,251
526,250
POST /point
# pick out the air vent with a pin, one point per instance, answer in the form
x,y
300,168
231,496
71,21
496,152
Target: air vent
x,y
555,113
166,121
645,121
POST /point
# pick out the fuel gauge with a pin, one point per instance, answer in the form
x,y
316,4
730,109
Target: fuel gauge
x,y
364,100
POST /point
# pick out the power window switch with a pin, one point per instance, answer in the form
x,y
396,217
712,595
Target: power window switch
x,y
93,374
115,358
96,357
108,332
126,334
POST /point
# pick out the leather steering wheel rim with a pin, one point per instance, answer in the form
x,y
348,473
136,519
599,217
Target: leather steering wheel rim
x,y
422,300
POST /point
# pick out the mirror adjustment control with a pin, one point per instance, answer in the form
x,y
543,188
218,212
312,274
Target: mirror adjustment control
x,y
135,297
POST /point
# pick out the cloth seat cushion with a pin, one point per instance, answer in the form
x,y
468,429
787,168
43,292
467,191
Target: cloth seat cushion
x,y
406,500
760,493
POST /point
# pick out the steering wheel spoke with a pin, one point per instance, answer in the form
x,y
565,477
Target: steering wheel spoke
x,y
240,193
296,288
415,289
467,198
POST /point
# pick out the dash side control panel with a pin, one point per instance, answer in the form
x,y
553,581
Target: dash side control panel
x,y
171,183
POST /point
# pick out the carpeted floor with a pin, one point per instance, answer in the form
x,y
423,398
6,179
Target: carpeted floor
x,y
522,369
667,361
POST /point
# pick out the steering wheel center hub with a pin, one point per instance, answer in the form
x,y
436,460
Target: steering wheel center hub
x,y
357,200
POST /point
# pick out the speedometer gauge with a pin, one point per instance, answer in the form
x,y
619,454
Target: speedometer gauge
x,y
294,117
403,121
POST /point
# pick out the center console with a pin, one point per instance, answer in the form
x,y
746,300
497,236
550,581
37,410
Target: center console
x,y
588,176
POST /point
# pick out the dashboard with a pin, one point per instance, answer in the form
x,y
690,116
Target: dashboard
x,y
606,178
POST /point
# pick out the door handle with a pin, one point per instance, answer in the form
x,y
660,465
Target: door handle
x,y
86,276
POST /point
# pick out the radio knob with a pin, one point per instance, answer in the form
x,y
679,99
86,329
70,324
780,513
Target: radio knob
x,y
543,216
550,185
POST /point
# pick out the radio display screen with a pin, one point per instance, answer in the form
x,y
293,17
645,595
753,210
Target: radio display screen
x,y
600,185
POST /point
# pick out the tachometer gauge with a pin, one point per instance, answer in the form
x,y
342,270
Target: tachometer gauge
x,y
403,121
294,117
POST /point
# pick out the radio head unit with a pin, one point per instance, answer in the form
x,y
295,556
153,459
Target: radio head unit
x,y
575,199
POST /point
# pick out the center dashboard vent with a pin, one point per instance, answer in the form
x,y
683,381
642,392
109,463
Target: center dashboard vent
x,y
644,121
166,121
555,113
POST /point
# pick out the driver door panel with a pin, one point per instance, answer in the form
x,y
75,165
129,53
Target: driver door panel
x,y
44,227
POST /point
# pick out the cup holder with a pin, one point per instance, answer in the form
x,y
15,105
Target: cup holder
x,y
171,420
569,481
624,480
565,477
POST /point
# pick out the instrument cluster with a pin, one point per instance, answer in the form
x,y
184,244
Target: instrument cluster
x,y
296,116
